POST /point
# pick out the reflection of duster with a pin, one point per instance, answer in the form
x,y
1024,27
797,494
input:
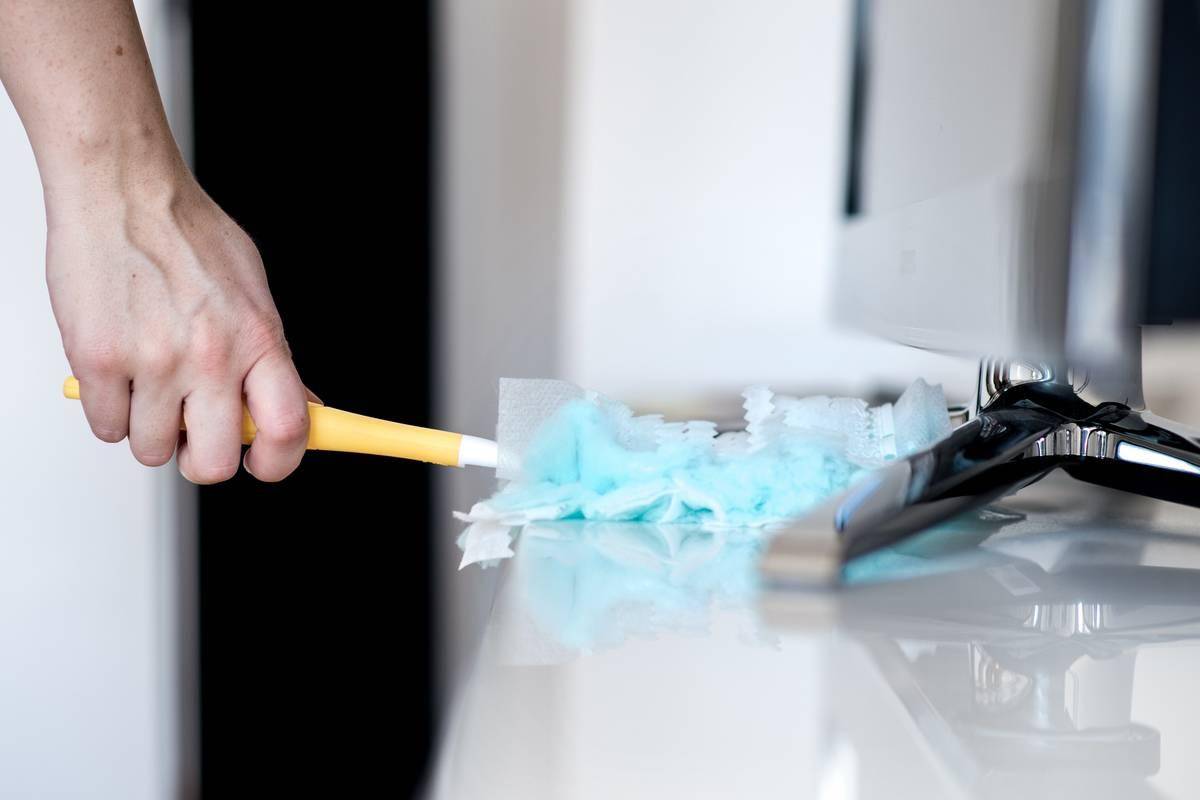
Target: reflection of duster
x,y
588,585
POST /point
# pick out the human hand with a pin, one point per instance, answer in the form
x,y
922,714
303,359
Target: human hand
x,y
161,299
165,315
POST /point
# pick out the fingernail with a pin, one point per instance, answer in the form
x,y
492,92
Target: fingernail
x,y
246,465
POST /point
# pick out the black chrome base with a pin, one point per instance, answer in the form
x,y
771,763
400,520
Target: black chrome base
x,y
1020,430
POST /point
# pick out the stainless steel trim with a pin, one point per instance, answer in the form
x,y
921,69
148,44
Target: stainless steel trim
x,y
1109,250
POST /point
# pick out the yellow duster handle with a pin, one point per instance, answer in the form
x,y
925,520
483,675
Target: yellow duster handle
x,y
332,429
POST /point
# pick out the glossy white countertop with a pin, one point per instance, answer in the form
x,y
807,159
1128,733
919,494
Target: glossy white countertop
x,y
1050,650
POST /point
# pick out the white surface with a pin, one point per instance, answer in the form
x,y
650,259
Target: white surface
x,y
87,551
673,715
919,688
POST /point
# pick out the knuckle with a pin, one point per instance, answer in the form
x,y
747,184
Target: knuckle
x,y
158,357
262,333
286,427
211,349
98,357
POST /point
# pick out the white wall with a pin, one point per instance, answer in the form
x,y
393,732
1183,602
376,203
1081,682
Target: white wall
x,y
705,165
88,551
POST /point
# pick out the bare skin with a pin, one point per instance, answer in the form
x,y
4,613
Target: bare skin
x,y
160,297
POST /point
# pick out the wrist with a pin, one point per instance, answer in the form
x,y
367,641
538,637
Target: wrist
x,y
112,167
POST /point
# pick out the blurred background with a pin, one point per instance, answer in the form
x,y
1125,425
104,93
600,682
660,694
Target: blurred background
x,y
640,198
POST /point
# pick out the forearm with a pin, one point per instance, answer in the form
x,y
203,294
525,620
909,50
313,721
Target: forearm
x,y
80,77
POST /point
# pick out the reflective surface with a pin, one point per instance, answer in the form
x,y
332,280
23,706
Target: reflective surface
x,y
1028,651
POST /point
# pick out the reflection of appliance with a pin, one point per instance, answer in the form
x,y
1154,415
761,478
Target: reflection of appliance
x,y
1019,676
1053,722
1017,188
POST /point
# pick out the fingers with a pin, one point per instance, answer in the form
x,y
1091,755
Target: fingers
x,y
150,413
212,448
154,416
106,406
278,403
